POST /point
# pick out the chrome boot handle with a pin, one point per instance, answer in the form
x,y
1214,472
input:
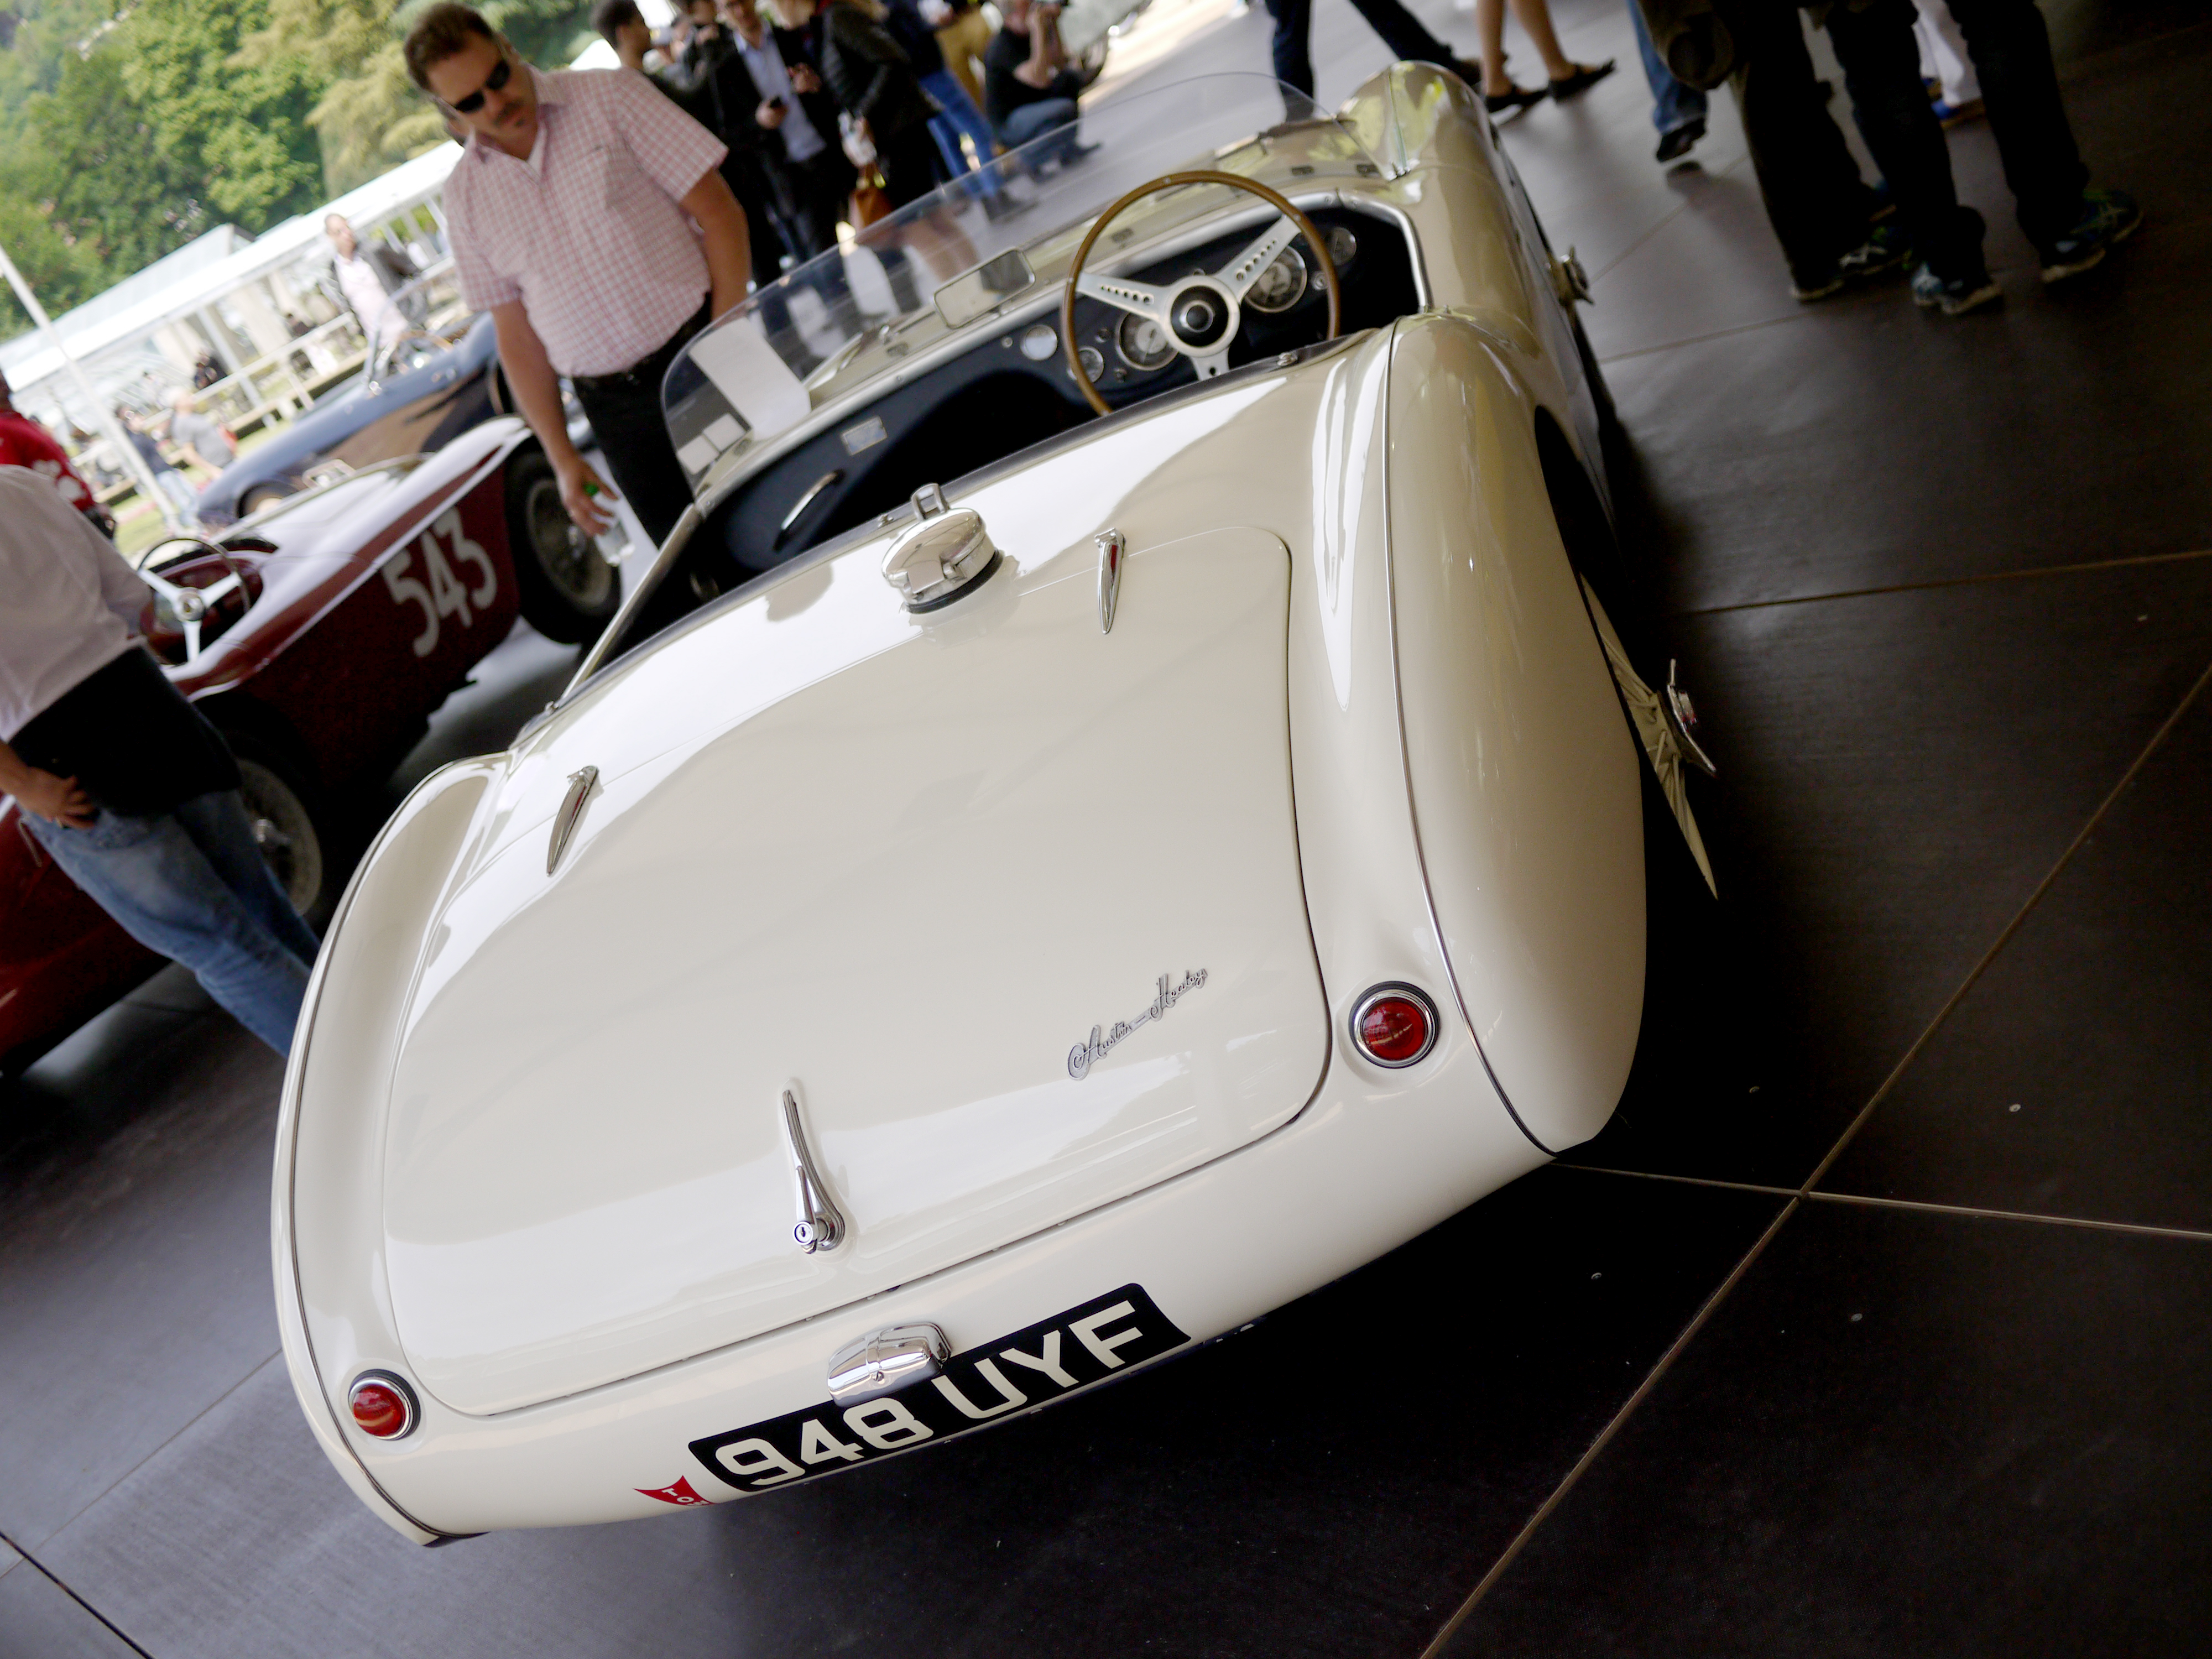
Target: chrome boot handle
x,y
820,1226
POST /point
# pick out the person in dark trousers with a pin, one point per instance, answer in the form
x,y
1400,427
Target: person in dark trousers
x,y
917,37
1401,30
1815,199
572,215
1029,90
121,782
875,84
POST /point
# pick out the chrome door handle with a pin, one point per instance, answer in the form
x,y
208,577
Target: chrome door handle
x,y
802,504
820,1226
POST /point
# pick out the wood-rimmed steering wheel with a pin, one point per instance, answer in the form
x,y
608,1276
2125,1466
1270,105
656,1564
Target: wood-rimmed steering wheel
x,y
1200,314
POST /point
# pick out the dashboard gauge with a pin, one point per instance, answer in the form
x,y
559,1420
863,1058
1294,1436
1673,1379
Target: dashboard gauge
x,y
1142,342
1281,285
1039,343
1343,246
1094,362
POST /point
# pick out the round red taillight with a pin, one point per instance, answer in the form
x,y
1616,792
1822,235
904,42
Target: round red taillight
x,y
383,1405
1394,1026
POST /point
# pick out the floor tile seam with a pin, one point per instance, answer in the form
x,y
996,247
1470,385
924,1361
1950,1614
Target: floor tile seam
x,y
1665,220
2026,572
181,1430
1685,1180
1605,1435
1706,339
1976,1212
1874,1201
61,1584
2019,919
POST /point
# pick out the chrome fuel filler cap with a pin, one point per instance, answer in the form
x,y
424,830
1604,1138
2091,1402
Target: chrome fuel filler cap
x,y
942,555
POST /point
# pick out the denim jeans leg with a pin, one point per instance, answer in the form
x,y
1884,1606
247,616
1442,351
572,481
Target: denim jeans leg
x,y
1033,121
961,119
152,877
220,827
1673,103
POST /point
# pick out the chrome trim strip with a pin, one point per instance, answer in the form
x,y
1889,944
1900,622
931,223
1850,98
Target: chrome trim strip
x,y
633,601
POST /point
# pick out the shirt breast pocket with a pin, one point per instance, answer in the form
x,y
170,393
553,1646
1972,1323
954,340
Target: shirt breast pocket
x,y
626,183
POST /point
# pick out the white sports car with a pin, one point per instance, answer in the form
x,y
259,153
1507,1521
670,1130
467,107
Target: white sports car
x,y
1119,805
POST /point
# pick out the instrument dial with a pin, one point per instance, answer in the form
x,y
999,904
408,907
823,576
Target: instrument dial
x,y
1142,342
1280,286
1343,246
1094,362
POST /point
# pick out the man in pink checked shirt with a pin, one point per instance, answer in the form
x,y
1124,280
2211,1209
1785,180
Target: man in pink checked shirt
x,y
588,217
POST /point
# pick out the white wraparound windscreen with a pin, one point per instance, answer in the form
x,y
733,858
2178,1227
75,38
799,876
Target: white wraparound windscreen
x,y
917,878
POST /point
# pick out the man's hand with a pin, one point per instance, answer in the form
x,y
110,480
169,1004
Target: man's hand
x,y
770,113
578,485
803,80
62,801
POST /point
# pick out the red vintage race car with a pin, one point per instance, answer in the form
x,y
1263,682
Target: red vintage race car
x,y
319,636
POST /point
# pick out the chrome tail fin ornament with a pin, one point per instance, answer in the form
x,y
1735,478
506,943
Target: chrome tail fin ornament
x,y
821,1225
1113,551
571,814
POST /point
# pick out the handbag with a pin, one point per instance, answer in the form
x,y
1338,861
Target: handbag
x,y
870,201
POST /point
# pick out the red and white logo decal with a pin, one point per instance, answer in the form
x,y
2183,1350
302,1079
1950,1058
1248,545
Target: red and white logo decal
x,y
680,1494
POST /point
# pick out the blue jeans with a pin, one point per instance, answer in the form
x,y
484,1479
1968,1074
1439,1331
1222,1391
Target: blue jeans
x,y
190,884
1034,120
1673,103
961,116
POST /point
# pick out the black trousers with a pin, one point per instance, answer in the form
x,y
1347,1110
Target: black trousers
x,y
1882,70
1815,200
2011,50
625,413
1402,32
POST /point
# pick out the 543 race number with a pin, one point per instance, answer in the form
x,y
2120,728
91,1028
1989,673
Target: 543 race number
x,y
445,595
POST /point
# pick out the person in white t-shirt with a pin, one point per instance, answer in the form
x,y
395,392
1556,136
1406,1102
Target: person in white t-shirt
x,y
122,782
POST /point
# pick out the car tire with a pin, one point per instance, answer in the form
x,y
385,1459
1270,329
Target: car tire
x,y
288,824
569,591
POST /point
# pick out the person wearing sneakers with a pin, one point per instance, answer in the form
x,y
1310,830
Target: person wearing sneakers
x,y
1814,198
2071,226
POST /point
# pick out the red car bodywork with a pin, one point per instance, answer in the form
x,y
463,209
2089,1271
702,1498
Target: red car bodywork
x,y
380,594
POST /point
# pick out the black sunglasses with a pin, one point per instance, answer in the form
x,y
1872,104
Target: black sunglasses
x,y
495,81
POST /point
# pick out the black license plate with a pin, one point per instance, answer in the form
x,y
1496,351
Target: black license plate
x,y
1085,1344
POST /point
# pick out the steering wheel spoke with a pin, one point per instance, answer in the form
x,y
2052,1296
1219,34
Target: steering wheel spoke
x,y
1211,364
1241,272
1138,299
